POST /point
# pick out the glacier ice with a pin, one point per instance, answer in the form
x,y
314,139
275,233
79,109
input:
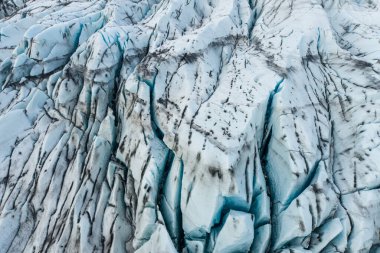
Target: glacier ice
x,y
190,126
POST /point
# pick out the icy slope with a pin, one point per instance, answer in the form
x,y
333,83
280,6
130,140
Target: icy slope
x,y
190,126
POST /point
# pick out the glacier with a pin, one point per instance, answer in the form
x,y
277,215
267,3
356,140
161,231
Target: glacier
x,y
190,126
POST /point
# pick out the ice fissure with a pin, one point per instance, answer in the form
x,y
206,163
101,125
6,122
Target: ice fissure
x,y
189,126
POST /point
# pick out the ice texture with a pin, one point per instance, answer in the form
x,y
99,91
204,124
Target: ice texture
x,y
190,126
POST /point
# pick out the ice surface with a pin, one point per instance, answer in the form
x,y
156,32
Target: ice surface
x,y
189,126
